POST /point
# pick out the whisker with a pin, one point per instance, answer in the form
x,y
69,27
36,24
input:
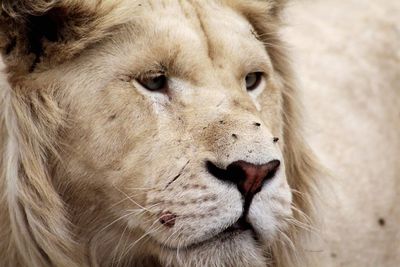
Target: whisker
x,y
301,225
131,212
174,233
124,199
287,240
301,214
142,188
116,220
151,230
130,198
116,249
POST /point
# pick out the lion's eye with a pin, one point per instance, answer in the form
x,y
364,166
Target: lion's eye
x,y
156,83
253,80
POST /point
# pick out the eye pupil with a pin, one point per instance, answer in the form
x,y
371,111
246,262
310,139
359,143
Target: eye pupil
x,y
253,80
157,83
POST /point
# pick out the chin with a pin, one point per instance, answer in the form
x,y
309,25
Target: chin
x,y
229,248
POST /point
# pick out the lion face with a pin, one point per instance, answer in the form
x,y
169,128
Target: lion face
x,y
170,151
161,127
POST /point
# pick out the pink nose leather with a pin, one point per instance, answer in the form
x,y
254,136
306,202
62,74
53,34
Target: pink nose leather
x,y
254,175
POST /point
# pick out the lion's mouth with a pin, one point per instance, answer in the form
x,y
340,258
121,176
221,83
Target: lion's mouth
x,y
239,226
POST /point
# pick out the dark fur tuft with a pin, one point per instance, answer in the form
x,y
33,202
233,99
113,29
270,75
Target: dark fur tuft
x,y
21,9
51,31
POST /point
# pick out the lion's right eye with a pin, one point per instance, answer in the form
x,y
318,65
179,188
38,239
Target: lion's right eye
x,y
253,80
155,83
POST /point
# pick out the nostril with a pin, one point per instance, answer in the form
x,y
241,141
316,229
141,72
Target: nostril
x,y
232,173
271,168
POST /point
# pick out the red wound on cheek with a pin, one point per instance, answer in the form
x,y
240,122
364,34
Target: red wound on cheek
x,y
167,219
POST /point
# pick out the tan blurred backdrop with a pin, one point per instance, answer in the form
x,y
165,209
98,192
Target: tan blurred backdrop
x,y
347,57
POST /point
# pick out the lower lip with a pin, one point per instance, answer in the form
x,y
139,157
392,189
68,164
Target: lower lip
x,y
231,232
228,233
238,227
222,236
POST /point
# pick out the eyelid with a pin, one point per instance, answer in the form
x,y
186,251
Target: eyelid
x,y
256,65
154,70
150,74
141,75
264,75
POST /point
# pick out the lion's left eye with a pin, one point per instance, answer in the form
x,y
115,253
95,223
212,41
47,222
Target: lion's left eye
x,y
156,83
253,80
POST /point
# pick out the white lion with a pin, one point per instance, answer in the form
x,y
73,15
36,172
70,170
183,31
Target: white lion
x,y
152,133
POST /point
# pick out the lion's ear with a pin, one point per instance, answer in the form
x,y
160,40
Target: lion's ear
x,y
51,31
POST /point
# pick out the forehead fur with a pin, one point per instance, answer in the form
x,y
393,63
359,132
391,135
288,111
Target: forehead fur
x,y
189,41
58,30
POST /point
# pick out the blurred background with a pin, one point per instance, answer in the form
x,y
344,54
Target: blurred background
x,y
346,54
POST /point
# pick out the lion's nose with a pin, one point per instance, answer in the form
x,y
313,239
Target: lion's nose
x,y
248,177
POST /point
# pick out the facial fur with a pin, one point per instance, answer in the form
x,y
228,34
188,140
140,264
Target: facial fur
x,y
126,171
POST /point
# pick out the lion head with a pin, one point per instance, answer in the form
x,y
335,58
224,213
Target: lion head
x,y
148,133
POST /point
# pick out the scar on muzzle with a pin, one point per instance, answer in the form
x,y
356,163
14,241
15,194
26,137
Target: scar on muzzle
x,y
167,219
